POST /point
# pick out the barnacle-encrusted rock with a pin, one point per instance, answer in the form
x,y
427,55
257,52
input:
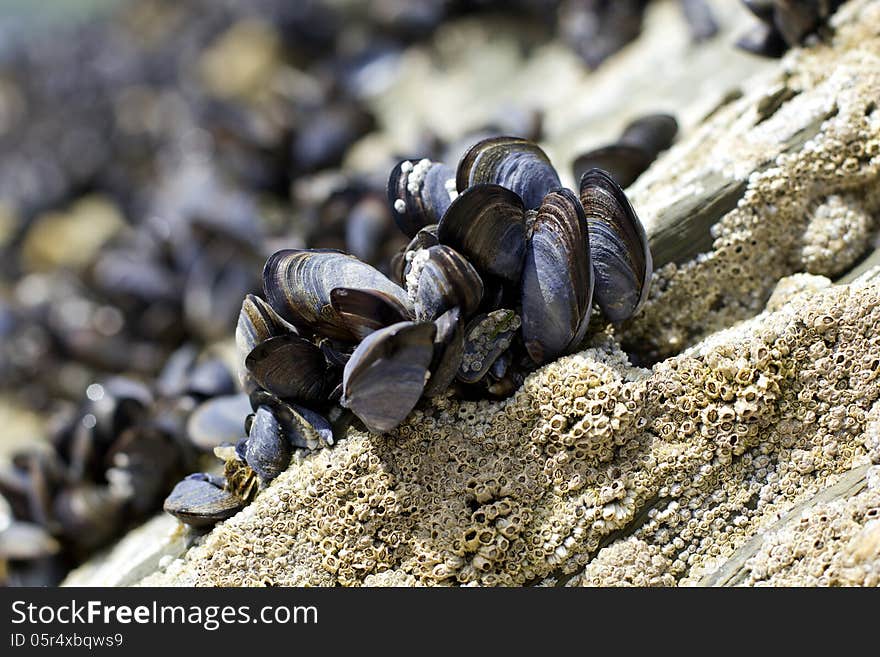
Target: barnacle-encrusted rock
x,y
594,472
784,179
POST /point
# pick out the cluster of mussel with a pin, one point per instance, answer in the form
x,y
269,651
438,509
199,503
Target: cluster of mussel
x,y
499,277
111,463
784,24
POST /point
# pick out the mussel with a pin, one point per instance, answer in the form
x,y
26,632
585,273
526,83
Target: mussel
x,y
419,192
289,366
298,284
386,375
486,224
618,245
440,279
557,281
201,500
512,162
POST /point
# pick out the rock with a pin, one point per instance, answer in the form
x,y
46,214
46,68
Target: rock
x,y
798,153
747,454
142,551
592,468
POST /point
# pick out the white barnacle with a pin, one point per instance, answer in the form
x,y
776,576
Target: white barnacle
x,y
400,206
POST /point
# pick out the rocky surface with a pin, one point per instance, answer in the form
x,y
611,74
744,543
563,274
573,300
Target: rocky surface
x,y
749,453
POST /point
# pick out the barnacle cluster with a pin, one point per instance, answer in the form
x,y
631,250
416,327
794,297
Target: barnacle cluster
x,y
811,166
683,463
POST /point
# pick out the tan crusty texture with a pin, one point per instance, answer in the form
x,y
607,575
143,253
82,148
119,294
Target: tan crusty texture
x,y
805,142
598,472
597,469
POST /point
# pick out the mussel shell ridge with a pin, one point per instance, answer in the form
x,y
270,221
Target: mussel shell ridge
x,y
514,163
557,282
289,366
298,284
619,248
486,224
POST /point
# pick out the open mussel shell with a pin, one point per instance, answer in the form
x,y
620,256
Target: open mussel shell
x,y
623,162
486,224
365,311
298,284
440,278
268,451
514,163
289,366
448,352
652,132
301,426
217,421
201,500
419,191
384,378
619,248
486,337
257,322
557,281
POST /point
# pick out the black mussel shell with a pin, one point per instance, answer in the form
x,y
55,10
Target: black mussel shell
x,y
619,248
653,132
218,420
796,19
268,451
557,281
623,162
486,224
365,311
210,378
175,374
336,353
486,337
701,22
419,191
384,378
763,9
596,29
764,40
448,352
257,322
298,284
514,163
199,501
439,279
289,366
88,514
367,224
301,426
309,429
